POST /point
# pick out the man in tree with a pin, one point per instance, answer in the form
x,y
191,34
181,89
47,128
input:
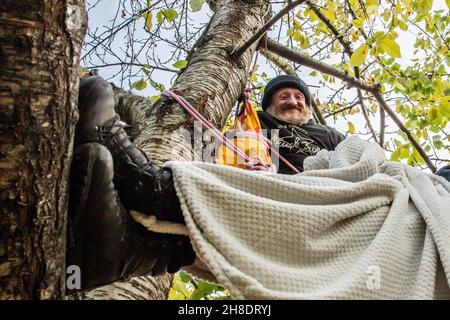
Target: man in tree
x,y
286,104
104,241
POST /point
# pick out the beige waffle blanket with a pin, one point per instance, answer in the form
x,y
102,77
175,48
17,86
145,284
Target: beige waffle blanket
x,y
352,226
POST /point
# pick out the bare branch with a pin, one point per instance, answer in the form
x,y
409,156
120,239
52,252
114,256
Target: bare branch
x,y
302,59
382,125
238,52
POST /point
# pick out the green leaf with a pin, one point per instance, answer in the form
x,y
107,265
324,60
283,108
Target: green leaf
x,y
433,113
196,5
357,23
395,156
181,287
148,21
153,99
329,14
139,85
297,36
359,56
170,14
186,278
203,289
422,6
180,64
159,17
437,142
390,46
157,86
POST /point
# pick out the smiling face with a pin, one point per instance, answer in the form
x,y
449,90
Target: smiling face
x,y
288,105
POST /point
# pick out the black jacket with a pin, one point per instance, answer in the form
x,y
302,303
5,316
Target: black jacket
x,y
298,142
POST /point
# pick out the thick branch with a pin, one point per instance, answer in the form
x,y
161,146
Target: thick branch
x,y
238,52
304,60
278,61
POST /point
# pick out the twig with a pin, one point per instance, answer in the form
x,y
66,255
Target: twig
x,y
239,51
382,126
378,96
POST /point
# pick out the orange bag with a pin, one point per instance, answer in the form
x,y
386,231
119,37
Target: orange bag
x,y
245,134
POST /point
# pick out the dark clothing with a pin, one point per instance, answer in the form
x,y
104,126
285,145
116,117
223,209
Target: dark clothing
x,y
444,172
298,142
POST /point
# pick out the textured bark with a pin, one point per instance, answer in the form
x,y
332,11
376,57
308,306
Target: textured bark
x,y
140,288
40,42
211,82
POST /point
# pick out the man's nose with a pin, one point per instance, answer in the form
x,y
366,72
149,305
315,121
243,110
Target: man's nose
x,y
291,100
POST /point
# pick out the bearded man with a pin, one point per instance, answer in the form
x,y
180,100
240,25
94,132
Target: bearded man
x,y
287,110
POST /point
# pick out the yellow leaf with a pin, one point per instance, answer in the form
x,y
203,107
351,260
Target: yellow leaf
x,y
297,36
390,46
351,128
359,56
357,23
148,20
329,14
372,6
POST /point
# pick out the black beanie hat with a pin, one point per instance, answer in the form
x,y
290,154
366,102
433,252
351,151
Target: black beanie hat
x,y
284,81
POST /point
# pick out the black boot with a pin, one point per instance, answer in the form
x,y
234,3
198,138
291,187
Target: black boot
x,y
103,239
143,185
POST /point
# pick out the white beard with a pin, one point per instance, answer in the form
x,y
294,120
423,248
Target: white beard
x,y
295,119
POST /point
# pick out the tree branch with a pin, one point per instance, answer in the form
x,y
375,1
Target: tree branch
x,y
278,61
302,59
366,116
239,51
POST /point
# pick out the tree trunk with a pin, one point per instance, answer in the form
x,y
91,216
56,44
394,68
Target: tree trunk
x,y
40,42
211,82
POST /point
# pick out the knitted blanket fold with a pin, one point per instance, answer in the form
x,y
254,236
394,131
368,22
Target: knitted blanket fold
x,y
352,226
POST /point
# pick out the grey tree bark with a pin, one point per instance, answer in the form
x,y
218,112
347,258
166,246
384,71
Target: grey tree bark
x,y
40,43
211,82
